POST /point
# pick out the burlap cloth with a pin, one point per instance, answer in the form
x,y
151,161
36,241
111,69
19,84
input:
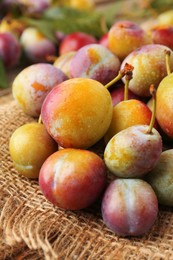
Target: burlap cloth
x,y
32,228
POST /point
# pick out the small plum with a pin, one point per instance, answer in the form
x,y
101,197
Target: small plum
x,y
164,109
104,40
129,207
128,151
73,179
77,112
63,62
9,49
161,178
117,94
33,83
12,25
163,35
149,24
35,7
82,4
30,7
74,41
126,36
165,18
36,46
149,67
29,147
128,113
96,62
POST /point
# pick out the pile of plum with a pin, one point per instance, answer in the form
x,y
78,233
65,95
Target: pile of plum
x,y
116,90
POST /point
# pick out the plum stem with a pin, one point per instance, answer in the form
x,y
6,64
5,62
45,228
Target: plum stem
x,y
167,58
153,93
39,119
51,58
128,77
125,71
118,77
103,25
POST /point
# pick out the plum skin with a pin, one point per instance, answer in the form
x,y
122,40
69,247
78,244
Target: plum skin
x,y
9,49
33,83
36,46
117,94
128,151
29,147
126,36
74,112
164,108
96,62
161,178
74,41
63,62
73,178
129,207
163,35
149,67
128,113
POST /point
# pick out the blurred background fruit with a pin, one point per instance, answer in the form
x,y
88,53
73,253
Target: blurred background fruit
x,y
74,41
9,49
55,20
36,46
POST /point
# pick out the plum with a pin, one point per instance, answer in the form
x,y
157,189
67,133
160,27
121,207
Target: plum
x,y
31,7
128,113
96,62
29,147
117,94
166,17
36,7
12,25
104,40
149,67
164,109
77,112
33,83
128,151
63,62
149,24
129,207
82,4
73,178
161,178
36,46
126,36
10,49
163,35
74,41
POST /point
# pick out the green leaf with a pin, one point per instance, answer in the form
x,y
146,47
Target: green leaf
x,y
3,75
44,26
63,12
161,5
67,20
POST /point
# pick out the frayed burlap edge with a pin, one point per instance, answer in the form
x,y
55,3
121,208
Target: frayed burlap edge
x,y
32,228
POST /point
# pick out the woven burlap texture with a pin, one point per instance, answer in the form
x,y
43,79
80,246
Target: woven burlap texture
x,y
32,228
